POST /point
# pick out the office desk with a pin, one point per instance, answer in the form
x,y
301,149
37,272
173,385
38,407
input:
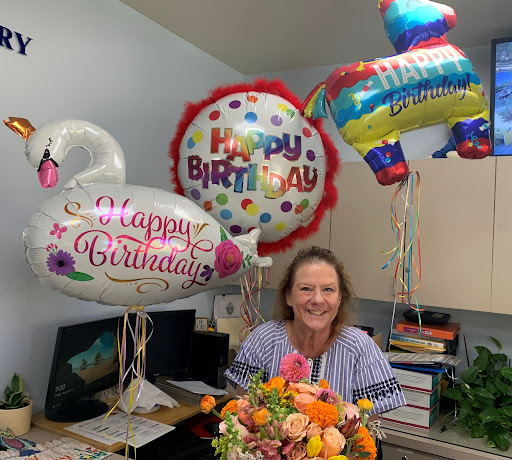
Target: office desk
x,y
167,415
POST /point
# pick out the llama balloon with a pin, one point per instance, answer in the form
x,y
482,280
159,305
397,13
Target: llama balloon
x,y
119,244
428,82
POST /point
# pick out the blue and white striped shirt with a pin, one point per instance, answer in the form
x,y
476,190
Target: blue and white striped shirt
x,y
354,366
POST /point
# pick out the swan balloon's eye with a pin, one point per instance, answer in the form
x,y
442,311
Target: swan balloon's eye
x,y
46,153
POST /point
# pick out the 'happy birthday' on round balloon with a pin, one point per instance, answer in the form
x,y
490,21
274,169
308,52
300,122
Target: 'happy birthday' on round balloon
x,y
248,157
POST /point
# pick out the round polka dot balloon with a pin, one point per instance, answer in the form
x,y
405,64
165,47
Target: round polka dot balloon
x,y
247,156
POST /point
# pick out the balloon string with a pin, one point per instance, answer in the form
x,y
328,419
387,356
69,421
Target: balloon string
x,y
403,251
136,371
251,291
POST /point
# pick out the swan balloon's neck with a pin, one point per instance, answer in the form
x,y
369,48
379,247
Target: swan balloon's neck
x,y
47,147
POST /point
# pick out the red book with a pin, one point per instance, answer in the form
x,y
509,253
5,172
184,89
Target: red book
x,y
446,331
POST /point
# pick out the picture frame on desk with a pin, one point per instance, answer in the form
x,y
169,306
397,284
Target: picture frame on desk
x,y
201,324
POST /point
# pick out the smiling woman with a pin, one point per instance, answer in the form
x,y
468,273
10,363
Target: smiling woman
x,y
311,318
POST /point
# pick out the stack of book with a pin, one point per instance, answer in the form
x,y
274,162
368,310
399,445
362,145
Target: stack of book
x,y
189,391
422,391
409,337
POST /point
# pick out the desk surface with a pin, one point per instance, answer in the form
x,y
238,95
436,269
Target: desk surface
x,y
167,415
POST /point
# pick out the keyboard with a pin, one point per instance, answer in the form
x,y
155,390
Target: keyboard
x,y
179,444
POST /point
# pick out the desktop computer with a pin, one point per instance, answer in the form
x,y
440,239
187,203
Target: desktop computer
x,y
210,358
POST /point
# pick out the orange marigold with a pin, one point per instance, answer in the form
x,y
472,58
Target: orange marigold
x,y
322,414
323,384
231,406
365,443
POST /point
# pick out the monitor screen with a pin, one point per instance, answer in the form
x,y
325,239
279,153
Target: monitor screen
x,y
169,349
85,361
501,95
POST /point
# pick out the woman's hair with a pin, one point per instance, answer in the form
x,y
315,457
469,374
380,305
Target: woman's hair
x,y
313,255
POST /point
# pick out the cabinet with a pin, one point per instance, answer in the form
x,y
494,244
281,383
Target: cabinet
x,y
502,256
361,231
456,232
392,452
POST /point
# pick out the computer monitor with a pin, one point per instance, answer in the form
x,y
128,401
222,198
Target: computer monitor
x,y
85,361
169,349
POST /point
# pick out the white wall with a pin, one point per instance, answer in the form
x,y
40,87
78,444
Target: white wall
x,y
100,61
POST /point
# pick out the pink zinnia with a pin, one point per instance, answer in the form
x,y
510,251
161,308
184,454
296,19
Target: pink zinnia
x,y
294,367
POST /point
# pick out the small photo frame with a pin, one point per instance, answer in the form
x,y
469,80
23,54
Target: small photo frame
x,y
201,325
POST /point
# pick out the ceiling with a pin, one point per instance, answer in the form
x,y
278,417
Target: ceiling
x,y
261,36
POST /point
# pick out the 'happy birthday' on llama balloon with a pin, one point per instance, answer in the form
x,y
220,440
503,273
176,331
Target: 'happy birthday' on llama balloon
x,y
119,244
429,82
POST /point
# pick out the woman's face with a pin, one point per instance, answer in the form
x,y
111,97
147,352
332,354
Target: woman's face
x,y
315,296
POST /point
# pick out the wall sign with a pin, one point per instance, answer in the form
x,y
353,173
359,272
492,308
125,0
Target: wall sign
x,y
13,40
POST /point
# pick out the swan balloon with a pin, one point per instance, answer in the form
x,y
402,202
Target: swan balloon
x,y
117,244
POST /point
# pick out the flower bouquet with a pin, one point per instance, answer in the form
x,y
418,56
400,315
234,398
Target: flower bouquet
x,y
290,418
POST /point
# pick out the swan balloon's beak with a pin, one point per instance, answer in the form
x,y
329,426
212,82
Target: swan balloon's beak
x,y
47,173
21,126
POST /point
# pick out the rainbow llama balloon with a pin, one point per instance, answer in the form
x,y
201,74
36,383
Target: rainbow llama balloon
x,y
428,82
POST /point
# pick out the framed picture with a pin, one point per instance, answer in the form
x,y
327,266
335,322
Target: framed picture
x,y
227,306
201,324
501,95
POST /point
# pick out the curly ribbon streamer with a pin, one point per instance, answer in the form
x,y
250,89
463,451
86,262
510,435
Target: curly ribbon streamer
x,y
403,251
251,285
135,372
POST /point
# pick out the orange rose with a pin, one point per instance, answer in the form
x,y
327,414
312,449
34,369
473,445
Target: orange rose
x,y
302,401
333,442
276,382
260,416
207,404
296,425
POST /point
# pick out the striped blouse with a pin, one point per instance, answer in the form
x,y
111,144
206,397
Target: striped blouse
x,y
354,366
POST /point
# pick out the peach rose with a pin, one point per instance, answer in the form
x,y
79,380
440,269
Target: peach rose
x,y
349,410
299,452
296,424
302,401
313,430
333,442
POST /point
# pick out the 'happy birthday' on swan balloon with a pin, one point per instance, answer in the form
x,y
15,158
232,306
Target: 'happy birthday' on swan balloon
x,y
119,244
428,82
248,157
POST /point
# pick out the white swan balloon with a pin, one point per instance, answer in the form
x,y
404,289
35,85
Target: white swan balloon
x,y
119,244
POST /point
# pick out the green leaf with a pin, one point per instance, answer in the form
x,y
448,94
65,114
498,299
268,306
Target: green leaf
x,y
497,343
506,410
465,409
364,454
477,431
507,372
502,386
223,236
483,359
79,276
470,374
16,383
501,358
500,437
483,393
491,414
453,393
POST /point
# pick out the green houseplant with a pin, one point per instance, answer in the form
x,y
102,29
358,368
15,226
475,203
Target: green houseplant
x,y
16,408
484,397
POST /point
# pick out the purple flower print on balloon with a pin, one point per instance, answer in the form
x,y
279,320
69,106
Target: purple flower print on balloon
x,y
58,231
228,258
61,263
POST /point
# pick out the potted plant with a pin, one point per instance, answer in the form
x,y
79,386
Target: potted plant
x,y
484,397
16,409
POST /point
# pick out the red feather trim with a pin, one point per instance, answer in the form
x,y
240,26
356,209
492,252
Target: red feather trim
x,y
278,88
